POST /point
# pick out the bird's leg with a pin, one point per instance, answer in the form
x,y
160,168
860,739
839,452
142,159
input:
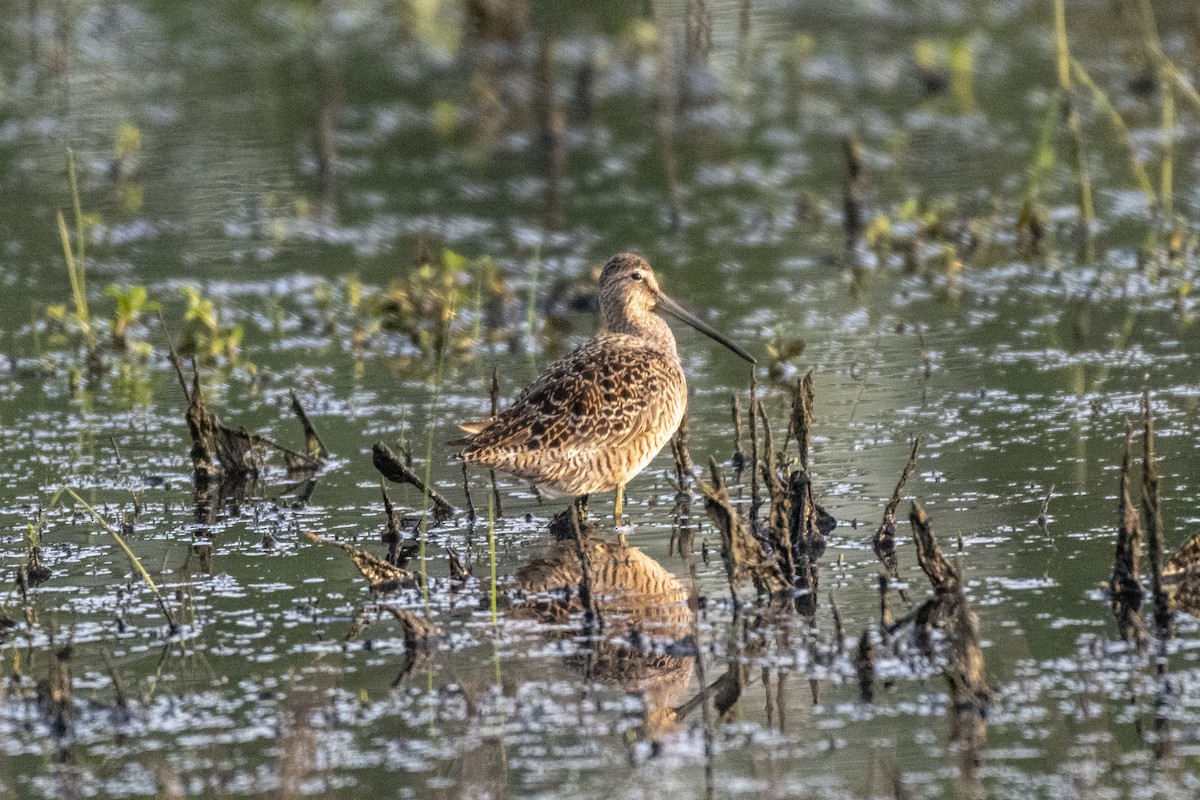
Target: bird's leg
x,y
581,508
617,506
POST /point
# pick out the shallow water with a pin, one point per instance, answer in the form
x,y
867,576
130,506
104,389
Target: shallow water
x,y
1018,373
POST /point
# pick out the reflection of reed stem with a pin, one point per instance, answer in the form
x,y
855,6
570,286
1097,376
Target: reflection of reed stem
x,y
705,714
491,533
437,393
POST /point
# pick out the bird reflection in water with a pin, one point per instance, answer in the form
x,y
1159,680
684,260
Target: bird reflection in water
x,y
642,634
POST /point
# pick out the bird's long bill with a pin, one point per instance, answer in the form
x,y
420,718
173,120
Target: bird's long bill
x,y
683,315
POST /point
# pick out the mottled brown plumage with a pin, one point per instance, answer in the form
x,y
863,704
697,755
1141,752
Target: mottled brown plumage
x,y
593,420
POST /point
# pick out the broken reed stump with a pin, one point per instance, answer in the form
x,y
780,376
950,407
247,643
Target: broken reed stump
x,y
235,454
806,539
397,471
1126,582
942,576
803,416
684,468
885,537
752,415
313,446
781,551
779,514
970,695
798,525
742,554
201,426
1152,510
1174,584
381,575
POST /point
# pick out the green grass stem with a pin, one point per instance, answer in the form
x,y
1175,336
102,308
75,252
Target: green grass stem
x,y
1062,49
1087,209
77,206
1043,154
113,532
1166,182
1140,177
491,534
76,269
78,285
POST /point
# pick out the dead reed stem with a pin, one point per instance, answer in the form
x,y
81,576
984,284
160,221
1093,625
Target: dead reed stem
x,y
1152,509
885,537
495,398
396,471
753,416
1126,583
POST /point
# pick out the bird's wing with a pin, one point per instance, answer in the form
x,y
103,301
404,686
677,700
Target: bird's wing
x,y
597,397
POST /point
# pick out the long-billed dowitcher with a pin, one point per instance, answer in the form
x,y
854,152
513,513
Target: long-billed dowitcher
x,y
593,420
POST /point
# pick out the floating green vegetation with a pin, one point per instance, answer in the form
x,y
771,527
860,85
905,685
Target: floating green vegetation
x,y
423,304
127,148
203,335
783,352
344,304
131,303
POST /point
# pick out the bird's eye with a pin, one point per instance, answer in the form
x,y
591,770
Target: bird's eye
x,y
637,276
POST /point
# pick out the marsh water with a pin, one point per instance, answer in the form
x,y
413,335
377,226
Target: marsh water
x,y
288,158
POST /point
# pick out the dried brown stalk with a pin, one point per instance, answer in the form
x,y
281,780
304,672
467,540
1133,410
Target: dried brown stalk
x,y
397,471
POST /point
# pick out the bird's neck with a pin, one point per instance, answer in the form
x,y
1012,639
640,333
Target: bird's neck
x,y
647,326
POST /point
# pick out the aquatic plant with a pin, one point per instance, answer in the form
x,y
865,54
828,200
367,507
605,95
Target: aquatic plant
x,y
782,353
78,319
423,303
131,303
127,148
345,309
74,321
1062,109
134,561
203,335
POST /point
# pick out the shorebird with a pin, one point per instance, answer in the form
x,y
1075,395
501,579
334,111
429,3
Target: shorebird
x,y
593,420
